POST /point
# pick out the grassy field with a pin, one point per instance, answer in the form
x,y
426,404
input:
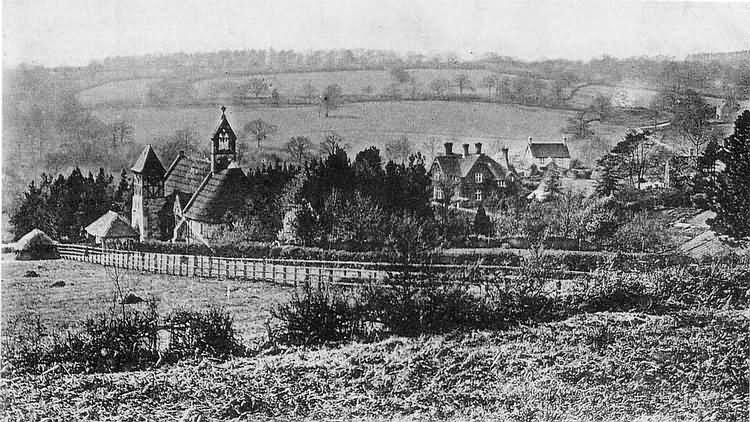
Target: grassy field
x,y
366,124
618,367
133,91
352,82
89,288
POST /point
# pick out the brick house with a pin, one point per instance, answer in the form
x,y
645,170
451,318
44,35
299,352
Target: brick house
x,y
188,200
468,179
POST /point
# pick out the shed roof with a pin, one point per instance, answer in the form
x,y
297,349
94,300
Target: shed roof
x,y
110,226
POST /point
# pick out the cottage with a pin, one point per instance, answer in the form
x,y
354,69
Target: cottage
x,y
189,200
467,179
539,154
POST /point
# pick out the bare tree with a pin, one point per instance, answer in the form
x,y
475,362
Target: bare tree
x,y
309,91
257,86
489,82
122,132
332,142
299,148
399,149
463,82
259,129
440,86
430,146
331,98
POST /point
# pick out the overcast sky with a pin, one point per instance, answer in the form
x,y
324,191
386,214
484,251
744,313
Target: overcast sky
x,y
73,32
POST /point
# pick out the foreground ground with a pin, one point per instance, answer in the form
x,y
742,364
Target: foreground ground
x,y
595,367
90,288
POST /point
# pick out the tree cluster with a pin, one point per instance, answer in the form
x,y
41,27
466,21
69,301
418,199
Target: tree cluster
x,y
62,207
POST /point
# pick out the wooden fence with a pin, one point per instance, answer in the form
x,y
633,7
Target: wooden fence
x,y
284,271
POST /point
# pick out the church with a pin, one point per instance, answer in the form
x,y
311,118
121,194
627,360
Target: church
x,y
188,201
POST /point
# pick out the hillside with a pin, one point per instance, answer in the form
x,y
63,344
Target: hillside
x,y
593,367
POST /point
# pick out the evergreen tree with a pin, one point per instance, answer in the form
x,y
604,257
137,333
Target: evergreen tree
x,y
608,178
729,194
32,213
482,223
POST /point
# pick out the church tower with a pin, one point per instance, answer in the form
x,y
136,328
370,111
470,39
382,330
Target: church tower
x,y
148,194
223,144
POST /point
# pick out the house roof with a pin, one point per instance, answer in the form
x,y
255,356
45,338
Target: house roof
x,y
549,149
111,225
218,193
148,162
33,239
460,166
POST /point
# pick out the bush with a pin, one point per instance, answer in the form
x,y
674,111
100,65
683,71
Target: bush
x,y
319,315
415,304
208,332
120,340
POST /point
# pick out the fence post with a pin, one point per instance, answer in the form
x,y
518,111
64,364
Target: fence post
x,y
244,268
295,276
273,272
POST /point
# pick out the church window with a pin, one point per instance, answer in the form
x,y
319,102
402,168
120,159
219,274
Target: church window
x,y
223,140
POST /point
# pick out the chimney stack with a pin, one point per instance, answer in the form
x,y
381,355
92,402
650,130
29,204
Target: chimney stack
x,y
466,150
505,155
478,146
448,148
531,141
181,153
565,140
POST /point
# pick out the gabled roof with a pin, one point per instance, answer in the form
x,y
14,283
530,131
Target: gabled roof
x,y
219,192
460,166
549,149
223,127
148,162
111,225
184,176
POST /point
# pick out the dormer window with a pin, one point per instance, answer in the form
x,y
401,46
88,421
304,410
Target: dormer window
x,y
436,176
478,177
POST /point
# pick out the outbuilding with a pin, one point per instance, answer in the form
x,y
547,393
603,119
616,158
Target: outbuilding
x,y
111,230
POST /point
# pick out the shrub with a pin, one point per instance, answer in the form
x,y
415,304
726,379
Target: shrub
x,y
120,340
207,332
318,314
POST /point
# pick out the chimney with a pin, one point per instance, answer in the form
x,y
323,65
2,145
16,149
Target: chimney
x,y
531,141
466,150
565,140
478,146
448,148
505,155
181,153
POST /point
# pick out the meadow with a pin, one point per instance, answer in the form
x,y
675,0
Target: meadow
x,y
90,288
365,124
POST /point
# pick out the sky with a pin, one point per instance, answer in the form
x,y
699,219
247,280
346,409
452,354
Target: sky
x,y
74,32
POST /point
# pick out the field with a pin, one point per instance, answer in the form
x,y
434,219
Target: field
x,y
89,288
366,124
132,91
352,82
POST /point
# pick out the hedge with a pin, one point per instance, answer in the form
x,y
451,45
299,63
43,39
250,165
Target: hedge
x,y
570,260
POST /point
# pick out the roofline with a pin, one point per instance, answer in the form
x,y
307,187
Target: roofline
x,y
173,165
195,194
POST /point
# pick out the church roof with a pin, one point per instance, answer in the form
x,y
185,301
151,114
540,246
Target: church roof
x,y
148,162
549,149
220,192
185,175
111,225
